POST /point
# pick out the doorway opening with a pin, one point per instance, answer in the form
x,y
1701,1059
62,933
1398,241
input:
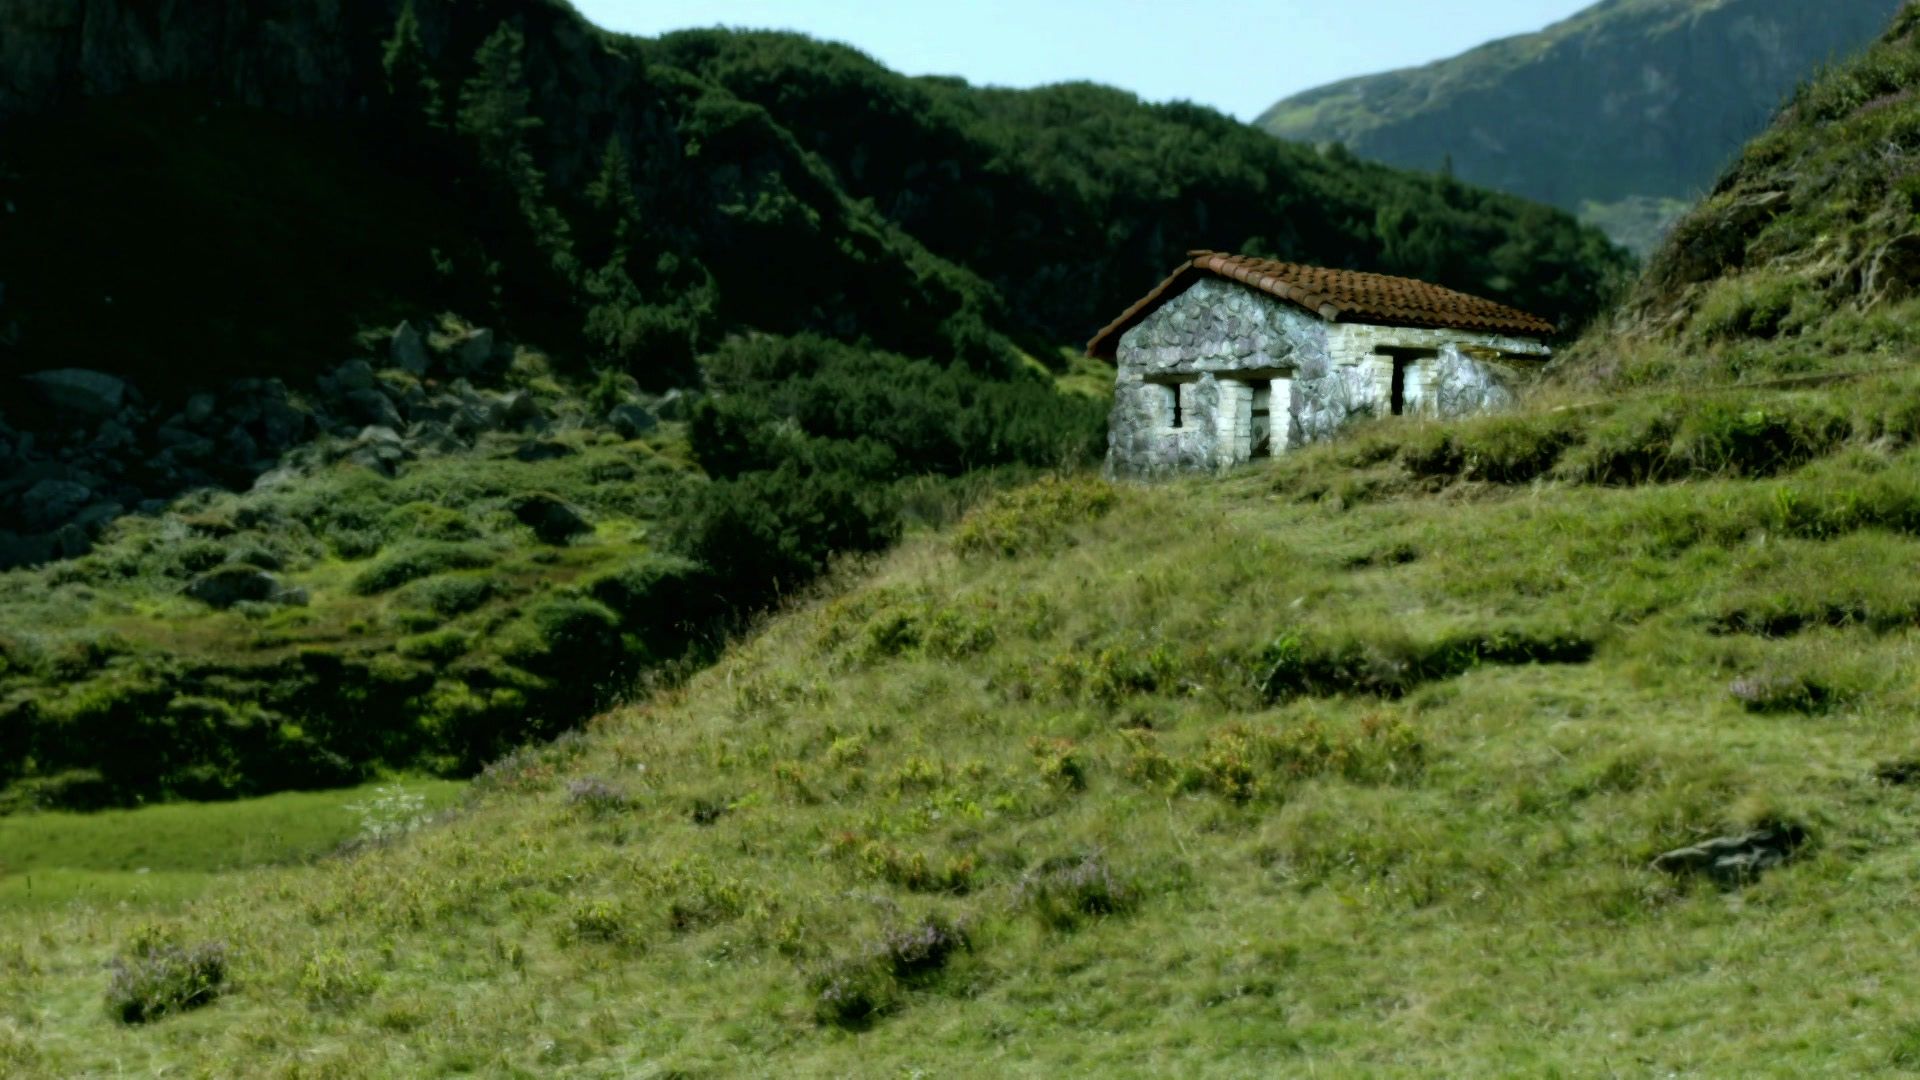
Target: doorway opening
x,y
1404,387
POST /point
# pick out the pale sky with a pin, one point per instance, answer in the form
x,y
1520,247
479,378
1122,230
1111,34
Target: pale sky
x,y
1239,56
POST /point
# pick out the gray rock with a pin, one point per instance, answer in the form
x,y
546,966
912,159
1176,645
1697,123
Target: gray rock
x,y
438,409
552,519
353,375
199,408
98,516
50,503
229,585
113,435
408,350
524,411
277,478
378,448
435,437
673,405
631,421
471,420
281,424
476,352
1734,860
184,447
241,447
543,450
91,393
370,406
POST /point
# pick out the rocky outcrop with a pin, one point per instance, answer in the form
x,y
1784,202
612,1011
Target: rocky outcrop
x,y
101,451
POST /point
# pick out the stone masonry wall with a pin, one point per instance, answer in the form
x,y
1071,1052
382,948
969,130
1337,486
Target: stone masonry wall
x,y
1208,348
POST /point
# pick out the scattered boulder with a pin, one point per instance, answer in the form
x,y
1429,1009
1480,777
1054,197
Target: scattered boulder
x,y
371,407
50,503
98,516
543,450
631,421
1735,860
199,408
520,410
435,437
91,393
353,375
408,350
112,436
674,405
229,585
378,448
475,353
551,518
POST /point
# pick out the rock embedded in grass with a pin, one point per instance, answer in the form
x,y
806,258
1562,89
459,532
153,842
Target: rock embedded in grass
x,y
1735,860
552,519
230,585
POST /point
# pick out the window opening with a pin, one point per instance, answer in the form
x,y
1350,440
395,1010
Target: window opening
x,y
1401,358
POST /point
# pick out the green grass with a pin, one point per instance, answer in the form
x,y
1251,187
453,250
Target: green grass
x,y
156,857
1353,764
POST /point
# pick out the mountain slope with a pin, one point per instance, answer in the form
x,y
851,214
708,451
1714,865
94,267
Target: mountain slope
x,y
1804,257
1618,111
1572,741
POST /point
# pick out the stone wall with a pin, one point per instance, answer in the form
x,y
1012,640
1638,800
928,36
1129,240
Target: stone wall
x,y
1212,346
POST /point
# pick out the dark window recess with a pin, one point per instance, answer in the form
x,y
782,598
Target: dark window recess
x,y
1179,415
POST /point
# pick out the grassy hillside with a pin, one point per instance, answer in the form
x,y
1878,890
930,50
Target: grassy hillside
x,y
1616,113
1358,761
1571,741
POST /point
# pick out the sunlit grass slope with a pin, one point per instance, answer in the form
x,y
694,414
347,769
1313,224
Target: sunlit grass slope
x,y
1353,764
156,856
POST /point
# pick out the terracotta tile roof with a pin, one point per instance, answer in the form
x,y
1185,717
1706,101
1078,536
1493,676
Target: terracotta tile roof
x,y
1334,295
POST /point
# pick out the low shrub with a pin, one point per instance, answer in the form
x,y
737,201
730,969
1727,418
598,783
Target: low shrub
x,y
855,990
598,922
415,561
1779,692
1034,518
331,979
1065,891
157,976
449,595
595,796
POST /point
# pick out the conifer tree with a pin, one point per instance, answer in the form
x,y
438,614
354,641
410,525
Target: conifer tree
x,y
410,83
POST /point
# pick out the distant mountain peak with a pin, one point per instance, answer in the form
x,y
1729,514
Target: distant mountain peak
x,y
1624,112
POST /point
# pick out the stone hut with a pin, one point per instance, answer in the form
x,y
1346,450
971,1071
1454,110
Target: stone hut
x,y
1233,358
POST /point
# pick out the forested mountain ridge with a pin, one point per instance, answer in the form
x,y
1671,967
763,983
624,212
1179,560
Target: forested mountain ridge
x,y
1625,112
632,201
